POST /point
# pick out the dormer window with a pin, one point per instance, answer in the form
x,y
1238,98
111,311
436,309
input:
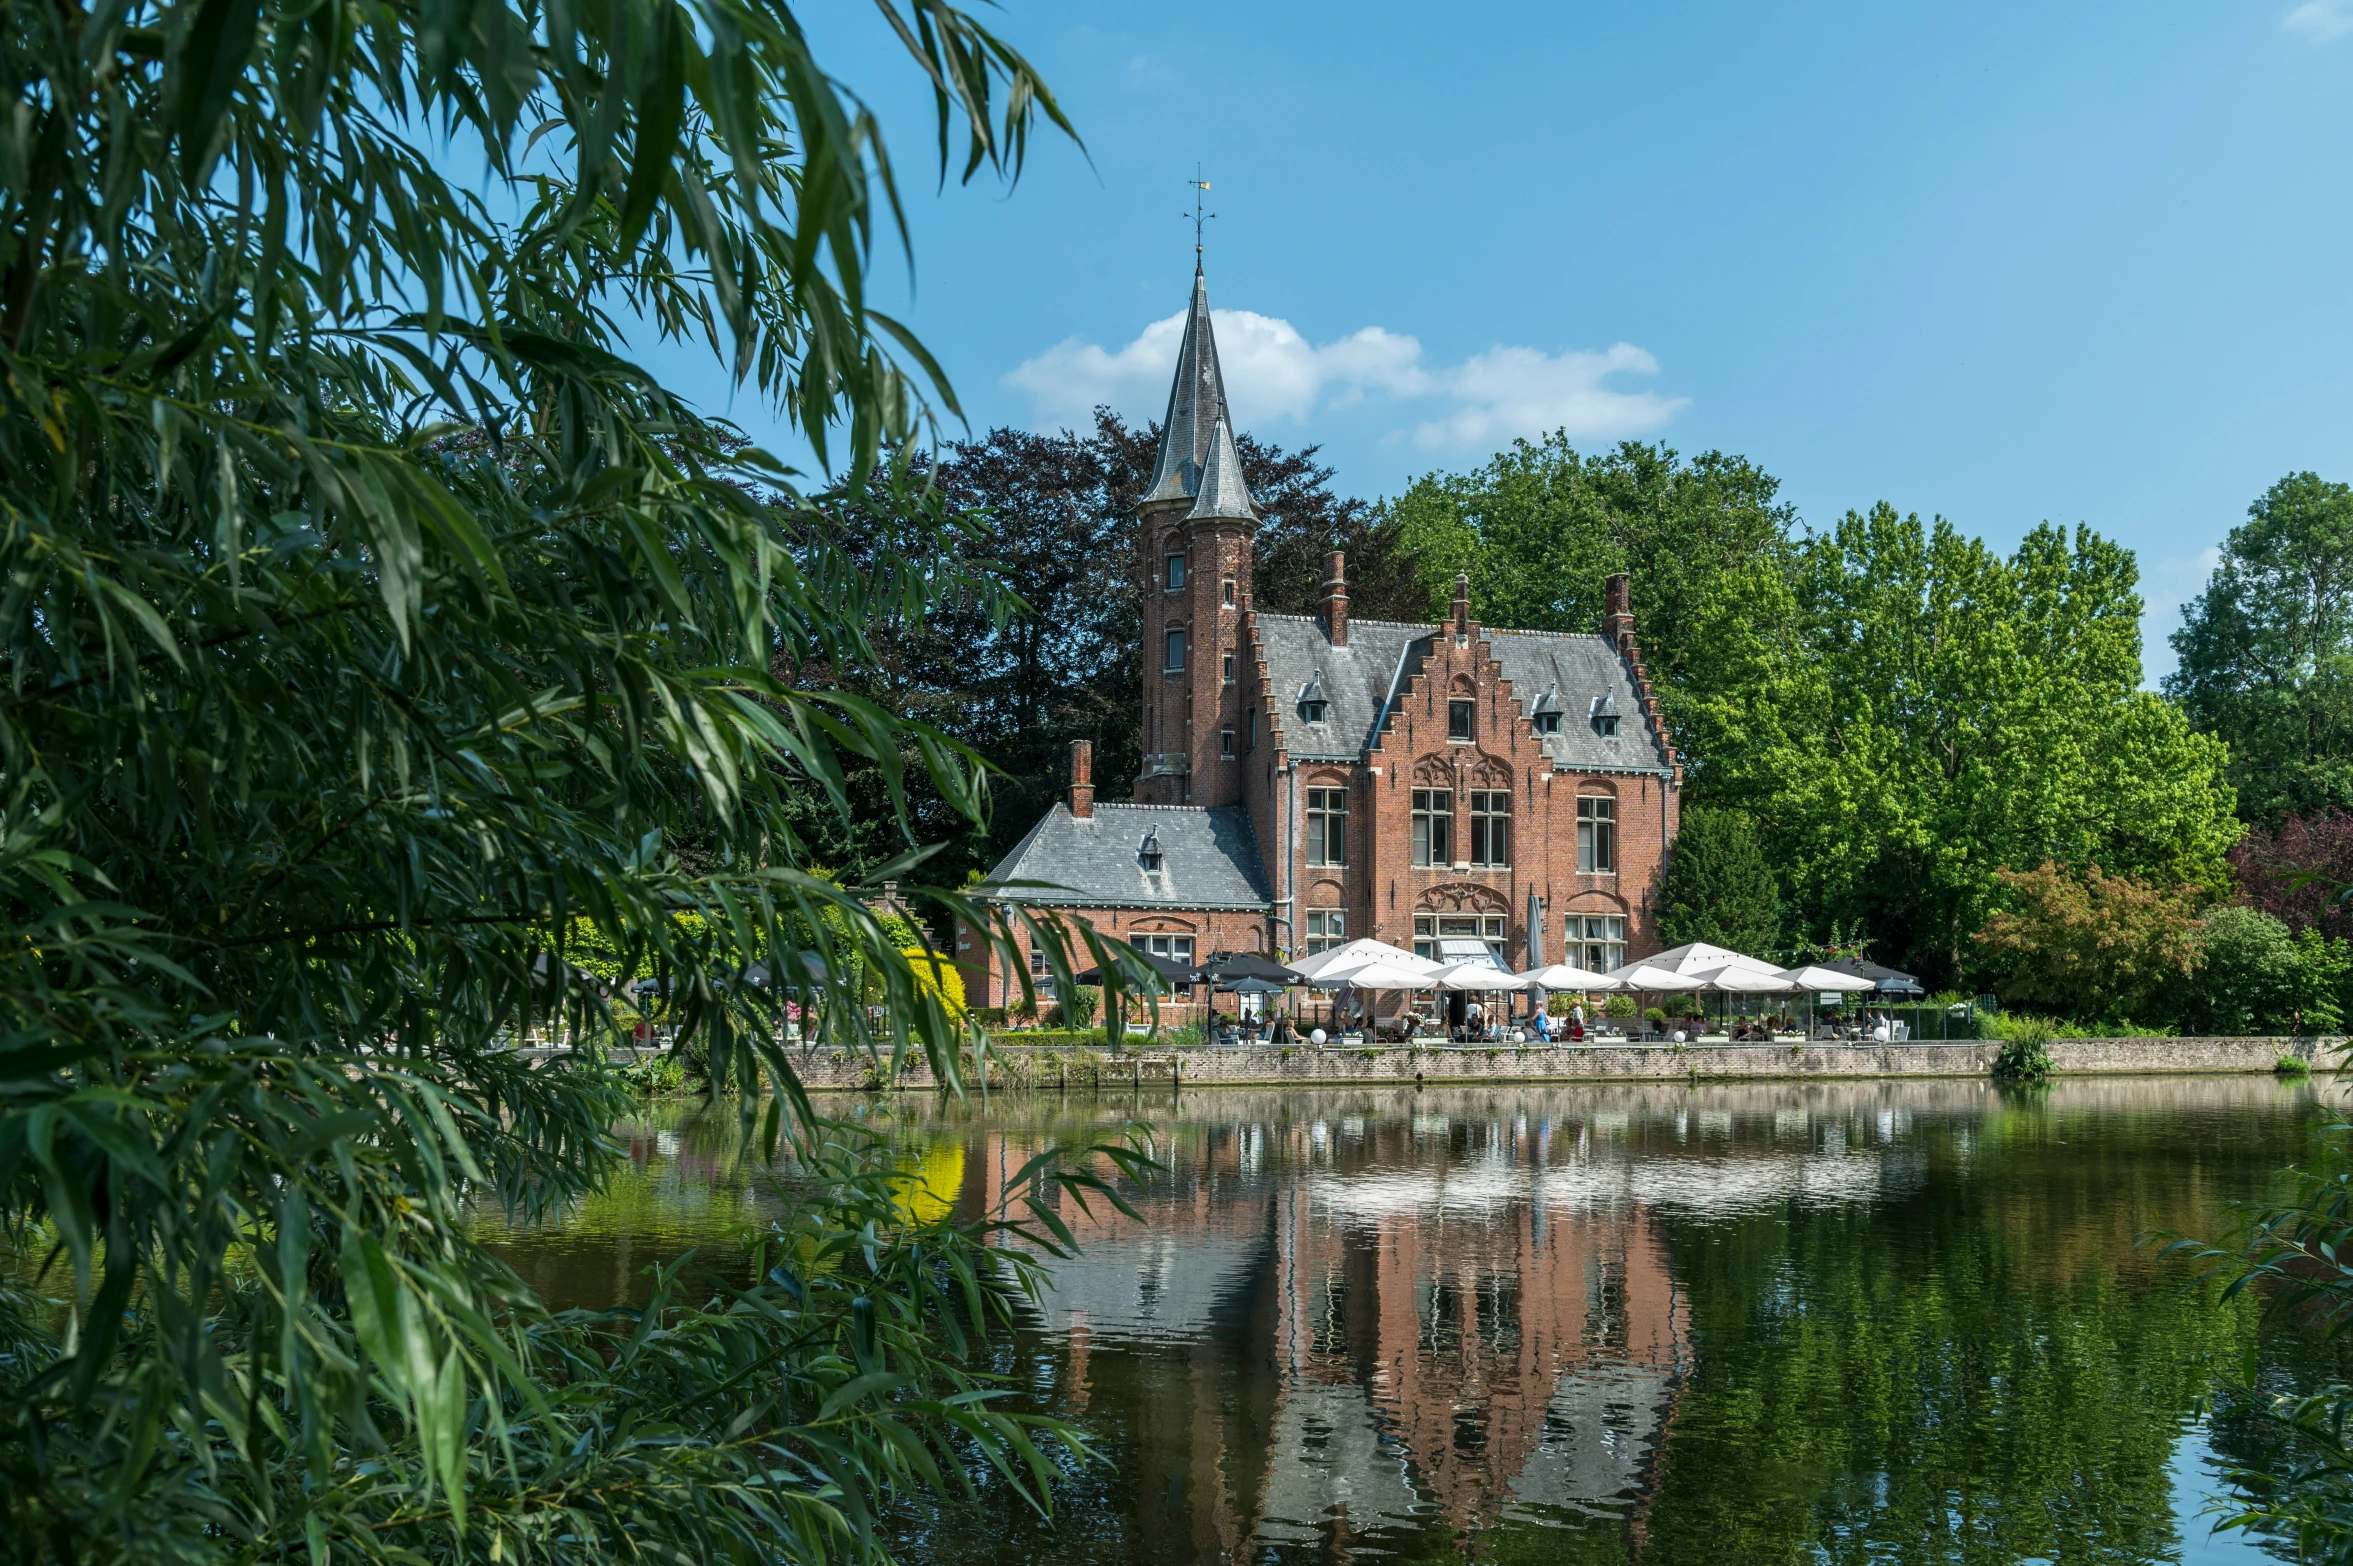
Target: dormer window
x,y
1546,712
1313,706
1148,854
1605,715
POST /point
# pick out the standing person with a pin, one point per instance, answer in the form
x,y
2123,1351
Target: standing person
x,y
1542,1023
1577,1021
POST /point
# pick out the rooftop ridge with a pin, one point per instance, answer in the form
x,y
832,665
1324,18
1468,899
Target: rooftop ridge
x,y
1424,625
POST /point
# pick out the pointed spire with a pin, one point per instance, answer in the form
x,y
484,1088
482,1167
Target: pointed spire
x,y
1223,492
1196,402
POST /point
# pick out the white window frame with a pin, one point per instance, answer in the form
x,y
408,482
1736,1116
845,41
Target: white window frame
x,y
1597,834
1327,826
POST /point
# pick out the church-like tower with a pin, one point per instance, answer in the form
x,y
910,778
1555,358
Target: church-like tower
x,y
1195,529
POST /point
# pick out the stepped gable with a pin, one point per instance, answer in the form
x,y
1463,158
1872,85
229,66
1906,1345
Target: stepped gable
x,y
1209,859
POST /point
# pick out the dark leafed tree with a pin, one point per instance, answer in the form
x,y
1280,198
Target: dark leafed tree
x,y
1053,525
375,630
2266,651
2299,872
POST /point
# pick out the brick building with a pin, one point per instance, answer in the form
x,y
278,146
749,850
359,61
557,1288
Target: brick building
x,y
1455,789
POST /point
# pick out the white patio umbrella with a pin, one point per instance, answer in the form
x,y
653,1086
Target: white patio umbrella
x,y
1644,979
1380,976
1475,976
1353,955
1696,956
1731,980
1813,980
1561,976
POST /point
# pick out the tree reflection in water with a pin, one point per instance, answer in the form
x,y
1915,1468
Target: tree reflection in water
x,y
1772,1322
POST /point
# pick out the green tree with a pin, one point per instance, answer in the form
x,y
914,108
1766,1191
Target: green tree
x,y
2255,976
1909,712
2090,945
370,619
2267,651
1540,527
1718,886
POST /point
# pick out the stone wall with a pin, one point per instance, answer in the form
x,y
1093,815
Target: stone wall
x,y
1057,1070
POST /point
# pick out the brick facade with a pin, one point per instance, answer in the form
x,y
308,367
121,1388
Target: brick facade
x,y
1228,722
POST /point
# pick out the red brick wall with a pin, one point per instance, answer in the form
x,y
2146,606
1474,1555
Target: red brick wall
x,y
1414,751
1186,713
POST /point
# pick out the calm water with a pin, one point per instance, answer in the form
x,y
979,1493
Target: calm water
x,y
1848,1322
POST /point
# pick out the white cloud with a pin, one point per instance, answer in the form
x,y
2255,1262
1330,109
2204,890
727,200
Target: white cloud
x,y
2320,20
1272,372
1518,391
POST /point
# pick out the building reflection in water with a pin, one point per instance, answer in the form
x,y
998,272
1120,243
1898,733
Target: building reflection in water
x,y
1329,1330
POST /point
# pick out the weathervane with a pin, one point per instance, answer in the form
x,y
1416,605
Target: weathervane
x,y
1199,185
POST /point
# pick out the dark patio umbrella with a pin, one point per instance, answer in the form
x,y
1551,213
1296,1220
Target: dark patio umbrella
x,y
1227,966
1888,980
1252,985
1174,972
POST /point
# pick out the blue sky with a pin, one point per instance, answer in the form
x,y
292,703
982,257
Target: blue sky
x,y
2000,262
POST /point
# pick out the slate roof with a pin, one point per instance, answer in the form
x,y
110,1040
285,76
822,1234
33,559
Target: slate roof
x,y
1196,402
1362,678
1209,859
1356,679
1224,493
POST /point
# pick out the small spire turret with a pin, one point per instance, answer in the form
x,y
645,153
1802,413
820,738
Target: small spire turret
x,y
1224,493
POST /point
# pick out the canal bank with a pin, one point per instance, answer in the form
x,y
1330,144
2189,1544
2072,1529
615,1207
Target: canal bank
x,y
1066,1069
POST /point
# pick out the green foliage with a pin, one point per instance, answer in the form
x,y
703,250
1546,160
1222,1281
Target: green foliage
x,y
2025,1055
655,1075
1905,713
1655,1016
1539,529
2298,1487
1618,1006
2292,1066
2255,977
1079,1004
2093,945
372,623
1718,887
2266,651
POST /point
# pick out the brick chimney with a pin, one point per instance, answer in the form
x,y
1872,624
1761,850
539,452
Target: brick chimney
x,y
1462,605
1082,779
1617,618
1336,597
